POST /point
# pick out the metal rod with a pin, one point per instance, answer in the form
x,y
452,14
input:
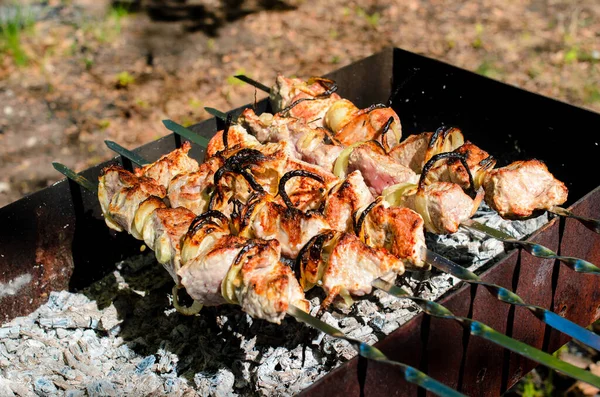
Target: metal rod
x,y
552,319
184,132
253,82
75,177
579,265
592,224
411,374
128,154
216,113
479,329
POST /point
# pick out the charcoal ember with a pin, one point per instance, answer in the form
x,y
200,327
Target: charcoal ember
x,y
102,388
43,386
217,385
5,389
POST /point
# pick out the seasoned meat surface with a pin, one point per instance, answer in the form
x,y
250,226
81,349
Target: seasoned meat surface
x,y
163,231
378,169
237,137
452,170
521,188
345,198
170,165
397,229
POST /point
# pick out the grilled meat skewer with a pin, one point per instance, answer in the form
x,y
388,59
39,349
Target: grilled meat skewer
x,y
197,251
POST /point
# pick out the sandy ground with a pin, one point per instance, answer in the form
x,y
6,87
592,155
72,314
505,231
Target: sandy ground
x,y
93,72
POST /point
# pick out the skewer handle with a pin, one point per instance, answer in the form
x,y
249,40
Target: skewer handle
x,y
253,82
216,113
557,322
592,224
537,250
128,154
184,132
72,175
479,329
411,374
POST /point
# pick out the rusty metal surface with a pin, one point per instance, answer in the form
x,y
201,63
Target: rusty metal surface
x,y
58,238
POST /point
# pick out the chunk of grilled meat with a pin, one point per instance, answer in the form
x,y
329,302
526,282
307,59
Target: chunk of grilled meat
x,y
520,188
162,231
350,124
345,198
285,91
399,230
169,166
416,150
193,190
265,287
452,170
443,205
266,219
378,169
120,193
220,268
344,266
237,137
308,142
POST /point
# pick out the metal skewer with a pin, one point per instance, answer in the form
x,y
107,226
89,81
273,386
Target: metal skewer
x,y
411,374
591,224
479,329
503,294
552,319
576,264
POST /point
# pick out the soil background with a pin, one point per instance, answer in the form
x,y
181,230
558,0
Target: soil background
x,y
88,70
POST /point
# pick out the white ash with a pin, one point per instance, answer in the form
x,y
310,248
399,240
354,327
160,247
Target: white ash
x,y
122,337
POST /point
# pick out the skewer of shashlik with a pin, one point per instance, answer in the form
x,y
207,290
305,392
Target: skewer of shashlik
x,y
266,216
255,279
324,260
429,307
511,202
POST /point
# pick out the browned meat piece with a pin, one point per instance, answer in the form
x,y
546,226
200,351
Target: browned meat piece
x,y
452,170
345,198
237,137
351,125
162,232
343,266
521,188
170,165
263,218
265,287
207,254
219,268
285,91
312,110
416,150
411,151
397,229
377,168
120,193
443,205
192,191
307,141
